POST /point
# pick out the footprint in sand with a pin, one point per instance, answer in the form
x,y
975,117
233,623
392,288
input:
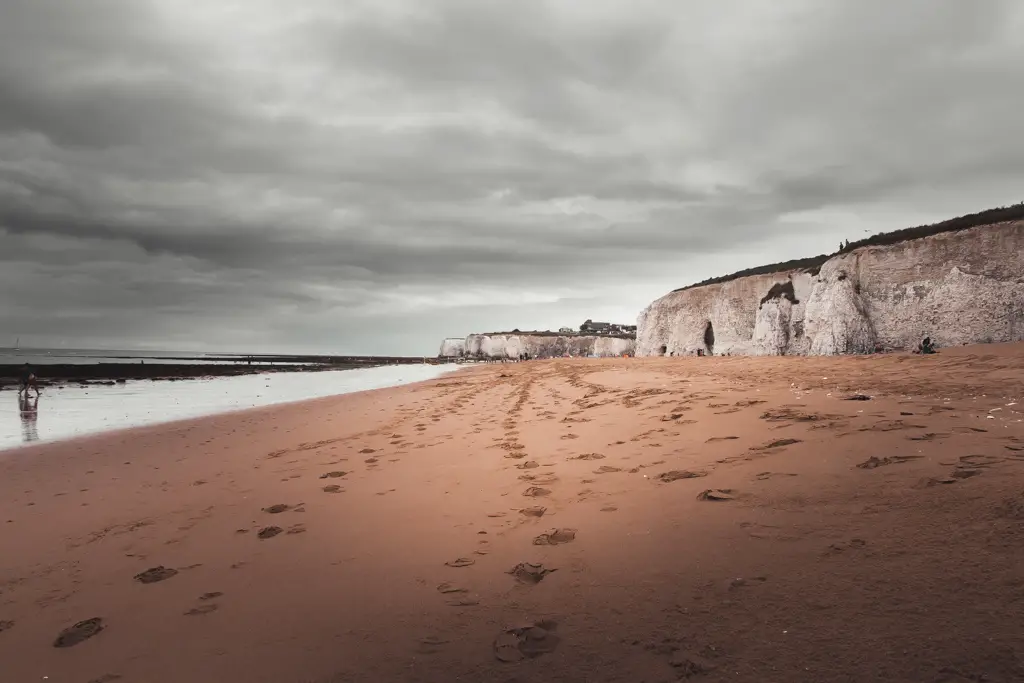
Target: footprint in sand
x,y
107,678
609,508
367,451
269,532
528,465
721,438
768,475
431,645
529,573
533,511
201,610
6,626
460,562
536,492
545,478
607,469
156,574
775,444
297,529
516,644
332,488
82,631
333,475
277,509
852,544
448,588
211,596
717,494
556,537
676,475
588,456
874,462
462,601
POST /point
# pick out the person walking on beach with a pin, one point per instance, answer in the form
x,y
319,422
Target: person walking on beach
x,y
28,380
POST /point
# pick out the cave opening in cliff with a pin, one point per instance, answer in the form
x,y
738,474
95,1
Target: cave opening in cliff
x,y
709,339
663,350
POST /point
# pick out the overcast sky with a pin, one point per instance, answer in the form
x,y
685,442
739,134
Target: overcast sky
x,y
369,177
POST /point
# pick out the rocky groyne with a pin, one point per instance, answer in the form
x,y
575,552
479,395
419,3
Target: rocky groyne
x,y
960,282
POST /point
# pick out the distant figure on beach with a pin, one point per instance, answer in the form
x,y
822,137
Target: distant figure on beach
x,y
28,380
29,410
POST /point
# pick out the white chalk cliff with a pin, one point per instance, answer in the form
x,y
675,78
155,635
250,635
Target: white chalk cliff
x,y
512,345
452,347
960,287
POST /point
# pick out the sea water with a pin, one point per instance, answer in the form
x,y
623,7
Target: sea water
x,y
70,411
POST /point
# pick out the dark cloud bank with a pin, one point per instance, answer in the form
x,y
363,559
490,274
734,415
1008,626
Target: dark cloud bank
x,y
370,177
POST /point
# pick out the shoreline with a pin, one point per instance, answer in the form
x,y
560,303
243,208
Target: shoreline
x,y
55,374
68,411
199,420
720,519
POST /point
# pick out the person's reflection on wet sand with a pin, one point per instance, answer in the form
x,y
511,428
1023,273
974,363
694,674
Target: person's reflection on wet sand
x,y
29,409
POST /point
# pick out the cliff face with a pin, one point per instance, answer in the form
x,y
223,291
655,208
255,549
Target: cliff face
x,y
956,287
496,346
452,347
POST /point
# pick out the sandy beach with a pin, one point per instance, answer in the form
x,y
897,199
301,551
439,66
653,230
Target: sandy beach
x,y
711,519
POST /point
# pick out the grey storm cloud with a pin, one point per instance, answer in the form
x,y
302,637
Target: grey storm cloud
x,y
373,176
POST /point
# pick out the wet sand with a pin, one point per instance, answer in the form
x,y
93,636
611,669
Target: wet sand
x,y
707,519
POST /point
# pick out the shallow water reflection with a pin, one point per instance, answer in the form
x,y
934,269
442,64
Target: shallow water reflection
x,y
61,413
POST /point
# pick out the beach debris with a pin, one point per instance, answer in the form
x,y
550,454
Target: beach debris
x,y
555,537
529,573
536,511
277,509
676,475
155,574
536,491
460,562
333,475
717,494
269,532
82,631
516,644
